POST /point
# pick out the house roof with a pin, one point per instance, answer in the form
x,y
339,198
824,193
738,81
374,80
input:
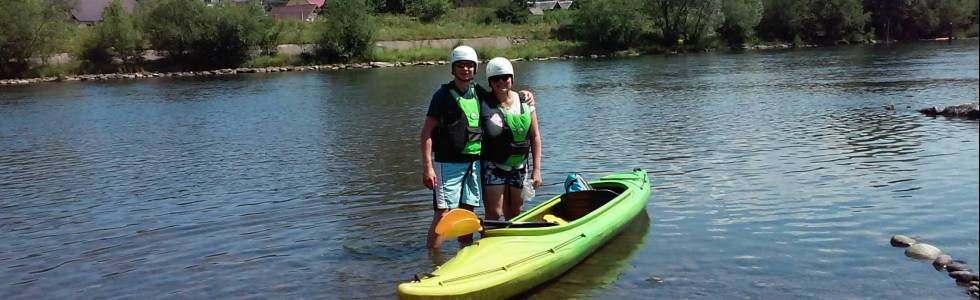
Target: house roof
x,y
297,12
316,3
91,10
544,5
553,4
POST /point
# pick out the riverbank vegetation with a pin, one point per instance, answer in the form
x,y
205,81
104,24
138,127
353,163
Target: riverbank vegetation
x,y
190,35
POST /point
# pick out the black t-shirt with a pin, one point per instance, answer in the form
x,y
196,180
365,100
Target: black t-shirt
x,y
443,107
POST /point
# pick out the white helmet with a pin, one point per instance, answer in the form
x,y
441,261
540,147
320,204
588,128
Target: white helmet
x,y
463,53
499,66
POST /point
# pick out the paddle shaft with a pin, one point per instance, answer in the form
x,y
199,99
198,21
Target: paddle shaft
x,y
507,224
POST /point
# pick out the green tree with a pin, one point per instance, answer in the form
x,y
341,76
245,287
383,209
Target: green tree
x,y
686,20
30,28
230,32
741,16
174,25
346,31
117,35
609,24
787,20
426,10
914,19
839,19
219,36
514,12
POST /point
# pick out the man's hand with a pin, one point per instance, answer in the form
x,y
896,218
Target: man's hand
x,y
429,178
527,96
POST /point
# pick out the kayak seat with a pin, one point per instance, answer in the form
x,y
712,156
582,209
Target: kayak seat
x,y
575,205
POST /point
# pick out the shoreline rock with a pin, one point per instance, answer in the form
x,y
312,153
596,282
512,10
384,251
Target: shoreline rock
x,y
923,251
966,110
902,241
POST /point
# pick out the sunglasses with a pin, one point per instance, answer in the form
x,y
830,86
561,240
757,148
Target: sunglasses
x,y
499,78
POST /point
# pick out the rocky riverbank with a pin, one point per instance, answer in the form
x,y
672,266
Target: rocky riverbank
x,y
956,269
220,72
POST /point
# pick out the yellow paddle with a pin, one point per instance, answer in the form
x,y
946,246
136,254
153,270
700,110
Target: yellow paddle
x,y
458,222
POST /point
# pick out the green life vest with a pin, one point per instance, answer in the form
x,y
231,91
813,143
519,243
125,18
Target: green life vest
x,y
520,125
471,111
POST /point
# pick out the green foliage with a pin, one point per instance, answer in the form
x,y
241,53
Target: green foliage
x,y
913,19
173,25
118,35
387,6
515,12
30,28
426,10
229,32
219,36
346,31
741,16
686,20
609,24
839,18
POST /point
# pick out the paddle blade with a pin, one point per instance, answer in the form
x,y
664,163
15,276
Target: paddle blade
x,y
458,222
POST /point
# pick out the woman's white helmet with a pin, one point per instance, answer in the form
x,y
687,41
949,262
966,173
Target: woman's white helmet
x,y
463,53
499,66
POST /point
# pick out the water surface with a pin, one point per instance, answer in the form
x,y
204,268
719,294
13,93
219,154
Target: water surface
x,y
777,175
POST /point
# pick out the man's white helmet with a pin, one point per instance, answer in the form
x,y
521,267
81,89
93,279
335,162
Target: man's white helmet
x,y
463,53
499,66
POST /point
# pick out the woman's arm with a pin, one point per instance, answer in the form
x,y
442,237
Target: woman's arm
x,y
535,151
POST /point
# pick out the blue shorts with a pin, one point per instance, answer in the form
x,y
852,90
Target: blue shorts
x,y
456,183
496,176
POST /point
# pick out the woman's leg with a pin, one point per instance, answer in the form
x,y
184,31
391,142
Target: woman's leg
x,y
493,201
514,203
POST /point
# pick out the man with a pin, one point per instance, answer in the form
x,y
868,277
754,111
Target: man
x,y
452,131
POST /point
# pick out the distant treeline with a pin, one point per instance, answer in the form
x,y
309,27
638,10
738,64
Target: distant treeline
x,y
189,34
619,24
193,36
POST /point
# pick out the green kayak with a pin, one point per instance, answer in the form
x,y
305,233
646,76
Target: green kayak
x,y
508,261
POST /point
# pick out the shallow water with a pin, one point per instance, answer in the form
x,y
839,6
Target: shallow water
x,y
777,174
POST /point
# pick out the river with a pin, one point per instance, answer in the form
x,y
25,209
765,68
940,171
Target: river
x,y
776,174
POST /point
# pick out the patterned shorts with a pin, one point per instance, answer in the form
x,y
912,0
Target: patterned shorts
x,y
496,176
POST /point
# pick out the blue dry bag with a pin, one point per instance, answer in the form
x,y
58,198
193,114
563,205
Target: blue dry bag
x,y
574,182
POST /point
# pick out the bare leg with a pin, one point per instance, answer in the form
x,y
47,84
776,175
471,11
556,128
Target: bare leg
x,y
432,241
514,202
493,201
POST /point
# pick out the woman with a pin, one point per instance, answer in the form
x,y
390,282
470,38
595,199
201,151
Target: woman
x,y
510,132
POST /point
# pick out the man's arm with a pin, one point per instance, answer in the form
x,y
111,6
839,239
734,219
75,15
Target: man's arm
x,y
425,138
526,97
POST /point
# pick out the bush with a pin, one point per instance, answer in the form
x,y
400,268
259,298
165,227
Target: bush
x,y
30,28
514,12
740,17
173,25
118,35
426,10
229,33
346,31
609,24
206,37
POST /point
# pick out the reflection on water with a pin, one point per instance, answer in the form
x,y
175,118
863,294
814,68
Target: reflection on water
x,y
776,174
600,269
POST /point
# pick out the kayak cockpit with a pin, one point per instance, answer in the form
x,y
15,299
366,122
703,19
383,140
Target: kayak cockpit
x,y
572,206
